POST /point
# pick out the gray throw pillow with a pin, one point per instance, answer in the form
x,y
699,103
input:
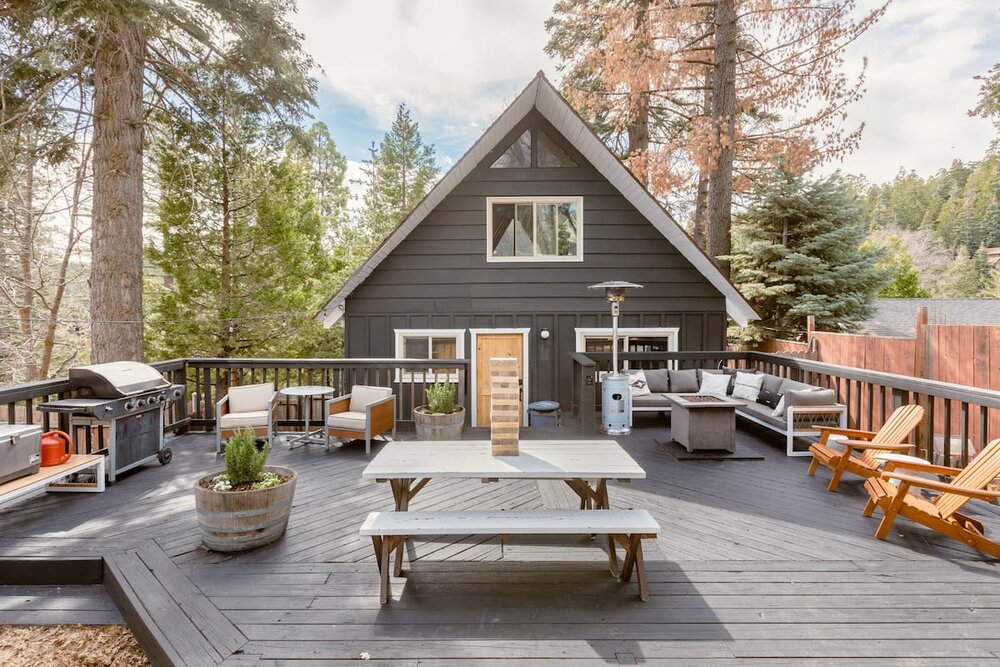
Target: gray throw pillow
x,y
658,380
684,382
770,391
808,397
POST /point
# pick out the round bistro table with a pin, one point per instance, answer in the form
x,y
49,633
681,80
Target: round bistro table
x,y
309,392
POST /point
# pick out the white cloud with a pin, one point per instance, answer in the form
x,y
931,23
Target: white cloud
x,y
922,55
458,63
454,62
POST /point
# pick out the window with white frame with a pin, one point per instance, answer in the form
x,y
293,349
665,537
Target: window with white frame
x,y
537,229
430,344
647,339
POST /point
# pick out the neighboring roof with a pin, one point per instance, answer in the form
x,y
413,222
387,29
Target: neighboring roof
x,y
897,317
541,95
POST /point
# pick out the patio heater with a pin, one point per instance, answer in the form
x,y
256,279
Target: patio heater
x,y
616,393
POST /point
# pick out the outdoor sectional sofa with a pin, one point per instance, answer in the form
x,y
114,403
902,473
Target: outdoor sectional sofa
x,y
796,420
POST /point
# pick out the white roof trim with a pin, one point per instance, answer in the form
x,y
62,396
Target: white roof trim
x,y
541,95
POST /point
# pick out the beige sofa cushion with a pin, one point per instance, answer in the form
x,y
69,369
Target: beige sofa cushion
x,y
240,419
250,398
350,420
362,396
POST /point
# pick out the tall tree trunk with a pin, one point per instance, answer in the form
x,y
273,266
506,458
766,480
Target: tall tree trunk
x,y
26,308
720,189
226,278
700,227
638,128
116,241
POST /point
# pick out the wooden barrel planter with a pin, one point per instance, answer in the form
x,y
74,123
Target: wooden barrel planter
x,y
242,520
439,426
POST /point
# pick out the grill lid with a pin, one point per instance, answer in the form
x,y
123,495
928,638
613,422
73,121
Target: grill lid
x,y
117,379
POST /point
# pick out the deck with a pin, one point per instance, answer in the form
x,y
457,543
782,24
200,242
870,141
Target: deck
x,y
757,563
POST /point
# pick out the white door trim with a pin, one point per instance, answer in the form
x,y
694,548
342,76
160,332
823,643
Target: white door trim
x,y
473,391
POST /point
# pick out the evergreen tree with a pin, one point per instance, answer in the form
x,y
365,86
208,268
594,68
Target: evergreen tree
x,y
904,279
398,174
134,54
239,234
800,252
969,276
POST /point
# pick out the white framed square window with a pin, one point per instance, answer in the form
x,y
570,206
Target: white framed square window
x,y
639,339
417,344
534,229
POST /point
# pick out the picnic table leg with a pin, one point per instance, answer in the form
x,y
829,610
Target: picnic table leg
x,y
640,570
613,557
629,563
402,504
384,586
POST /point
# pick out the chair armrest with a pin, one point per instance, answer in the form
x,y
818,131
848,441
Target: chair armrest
x,y
818,409
891,466
332,406
943,487
272,411
222,407
852,433
381,414
863,444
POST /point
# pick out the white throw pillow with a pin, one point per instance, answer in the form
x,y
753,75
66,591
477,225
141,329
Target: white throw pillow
x,y
747,385
637,379
714,384
779,409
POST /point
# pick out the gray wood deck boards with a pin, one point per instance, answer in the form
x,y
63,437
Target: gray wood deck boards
x,y
756,564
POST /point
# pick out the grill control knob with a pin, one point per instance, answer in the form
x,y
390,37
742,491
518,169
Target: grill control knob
x,y
139,402
177,393
129,405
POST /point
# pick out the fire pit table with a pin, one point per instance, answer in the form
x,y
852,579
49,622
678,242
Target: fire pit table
x,y
702,422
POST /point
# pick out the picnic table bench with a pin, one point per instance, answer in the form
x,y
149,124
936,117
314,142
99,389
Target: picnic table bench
x,y
625,527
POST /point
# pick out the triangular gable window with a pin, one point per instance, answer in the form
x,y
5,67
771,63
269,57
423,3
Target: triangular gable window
x,y
518,155
549,152
544,153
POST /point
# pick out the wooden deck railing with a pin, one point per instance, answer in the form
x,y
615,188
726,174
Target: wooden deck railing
x,y
209,379
956,414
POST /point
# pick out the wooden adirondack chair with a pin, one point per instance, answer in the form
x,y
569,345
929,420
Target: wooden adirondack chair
x,y
861,447
941,513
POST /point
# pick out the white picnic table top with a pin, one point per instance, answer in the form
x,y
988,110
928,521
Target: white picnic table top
x,y
538,459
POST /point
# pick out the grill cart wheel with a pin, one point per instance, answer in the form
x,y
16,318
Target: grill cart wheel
x,y
165,455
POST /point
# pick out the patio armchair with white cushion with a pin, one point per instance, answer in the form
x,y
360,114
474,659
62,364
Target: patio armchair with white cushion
x,y
245,406
363,414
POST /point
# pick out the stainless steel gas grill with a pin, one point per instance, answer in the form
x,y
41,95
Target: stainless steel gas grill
x,y
125,399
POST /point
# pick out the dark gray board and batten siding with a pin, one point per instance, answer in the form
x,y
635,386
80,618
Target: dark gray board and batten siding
x,y
438,277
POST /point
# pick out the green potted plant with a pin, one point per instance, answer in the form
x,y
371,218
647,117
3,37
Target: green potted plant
x,y
440,418
247,505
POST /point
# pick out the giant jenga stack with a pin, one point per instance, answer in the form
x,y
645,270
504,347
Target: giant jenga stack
x,y
505,406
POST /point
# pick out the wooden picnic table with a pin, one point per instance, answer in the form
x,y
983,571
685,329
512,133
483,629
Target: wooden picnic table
x,y
585,466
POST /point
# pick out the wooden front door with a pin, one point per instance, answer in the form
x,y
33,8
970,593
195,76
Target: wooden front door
x,y
489,346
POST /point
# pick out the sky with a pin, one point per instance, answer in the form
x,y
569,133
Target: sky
x,y
458,63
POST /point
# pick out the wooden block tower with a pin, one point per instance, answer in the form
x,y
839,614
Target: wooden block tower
x,y
505,406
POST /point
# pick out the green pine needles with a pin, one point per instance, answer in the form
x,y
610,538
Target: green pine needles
x,y
800,251
441,398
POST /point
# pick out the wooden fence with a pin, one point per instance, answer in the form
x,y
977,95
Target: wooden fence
x,y
961,355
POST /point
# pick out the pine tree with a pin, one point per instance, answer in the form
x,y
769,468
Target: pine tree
x,y
239,236
904,279
969,276
134,54
398,173
800,252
